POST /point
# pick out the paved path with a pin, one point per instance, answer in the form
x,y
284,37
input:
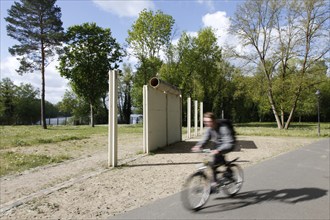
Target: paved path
x,y
294,185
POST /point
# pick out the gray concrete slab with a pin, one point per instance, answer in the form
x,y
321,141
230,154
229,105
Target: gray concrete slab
x,y
294,185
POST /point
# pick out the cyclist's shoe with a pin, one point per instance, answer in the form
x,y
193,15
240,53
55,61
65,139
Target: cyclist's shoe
x,y
214,188
226,181
228,175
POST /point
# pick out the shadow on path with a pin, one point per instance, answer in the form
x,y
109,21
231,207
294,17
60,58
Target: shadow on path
x,y
161,164
185,147
289,196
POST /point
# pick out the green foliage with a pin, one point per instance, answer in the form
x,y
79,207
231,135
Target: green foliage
x,y
287,45
147,69
125,91
37,25
28,105
21,104
8,96
195,65
79,109
206,72
324,88
149,34
90,54
181,65
73,105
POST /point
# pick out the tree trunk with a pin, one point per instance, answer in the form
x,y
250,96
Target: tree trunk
x,y
92,115
272,104
282,116
277,118
43,111
287,124
105,108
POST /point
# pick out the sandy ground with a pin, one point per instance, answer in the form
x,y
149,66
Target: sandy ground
x,y
85,188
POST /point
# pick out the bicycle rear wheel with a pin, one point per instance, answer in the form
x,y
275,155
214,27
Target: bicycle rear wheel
x,y
233,186
196,191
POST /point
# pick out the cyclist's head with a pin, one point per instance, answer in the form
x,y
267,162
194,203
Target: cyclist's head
x,y
209,119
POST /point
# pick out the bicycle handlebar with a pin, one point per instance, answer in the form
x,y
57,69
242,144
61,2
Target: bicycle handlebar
x,y
203,151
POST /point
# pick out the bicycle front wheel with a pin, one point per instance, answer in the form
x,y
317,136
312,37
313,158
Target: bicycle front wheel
x,y
233,186
196,191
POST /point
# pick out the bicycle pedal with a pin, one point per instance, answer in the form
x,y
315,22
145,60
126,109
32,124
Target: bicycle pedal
x,y
214,190
225,181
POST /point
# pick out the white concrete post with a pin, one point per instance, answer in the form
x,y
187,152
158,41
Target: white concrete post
x,y
201,118
145,120
113,123
188,118
196,118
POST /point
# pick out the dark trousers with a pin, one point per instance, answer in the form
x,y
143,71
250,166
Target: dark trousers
x,y
219,160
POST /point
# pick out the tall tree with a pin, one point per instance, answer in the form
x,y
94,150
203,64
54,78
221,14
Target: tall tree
x,y
8,100
125,90
283,38
180,68
150,34
207,72
37,25
74,106
27,105
196,66
90,54
18,104
312,18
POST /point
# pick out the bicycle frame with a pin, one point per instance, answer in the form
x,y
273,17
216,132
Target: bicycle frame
x,y
202,190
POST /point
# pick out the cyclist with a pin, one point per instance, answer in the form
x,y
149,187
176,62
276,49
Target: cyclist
x,y
222,134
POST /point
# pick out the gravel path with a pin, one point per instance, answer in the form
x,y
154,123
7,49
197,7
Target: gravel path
x,y
84,188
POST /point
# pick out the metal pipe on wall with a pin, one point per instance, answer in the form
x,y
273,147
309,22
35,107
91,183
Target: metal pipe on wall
x,y
159,84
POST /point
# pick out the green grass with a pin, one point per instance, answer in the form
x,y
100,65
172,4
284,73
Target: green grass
x,y
20,136
270,129
33,136
12,162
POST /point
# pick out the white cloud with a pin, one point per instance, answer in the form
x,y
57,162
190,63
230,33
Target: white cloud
x,y
217,20
124,8
220,22
55,85
208,3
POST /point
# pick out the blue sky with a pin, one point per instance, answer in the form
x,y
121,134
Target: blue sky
x,y
118,15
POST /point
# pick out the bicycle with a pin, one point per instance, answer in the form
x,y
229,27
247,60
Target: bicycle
x,y
197,188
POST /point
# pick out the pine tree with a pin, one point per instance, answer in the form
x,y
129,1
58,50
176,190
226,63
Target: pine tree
x,y
37,26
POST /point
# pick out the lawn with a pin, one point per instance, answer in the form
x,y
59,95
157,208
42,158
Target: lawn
x,y
270,129
13,137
